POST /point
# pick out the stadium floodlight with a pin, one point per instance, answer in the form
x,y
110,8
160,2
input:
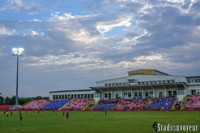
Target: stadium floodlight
x,y
17,52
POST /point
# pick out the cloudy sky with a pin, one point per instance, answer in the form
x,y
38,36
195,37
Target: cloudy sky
x,y
71,44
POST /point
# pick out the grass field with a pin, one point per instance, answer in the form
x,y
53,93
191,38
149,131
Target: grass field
x,y
93,122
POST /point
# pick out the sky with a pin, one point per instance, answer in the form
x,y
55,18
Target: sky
x,y
71,44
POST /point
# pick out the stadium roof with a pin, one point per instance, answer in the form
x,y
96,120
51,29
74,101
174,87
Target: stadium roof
x,y
178,85
70,90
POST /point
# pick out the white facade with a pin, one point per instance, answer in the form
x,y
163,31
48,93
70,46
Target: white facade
x,y
71,94
136,86
134,80
142,86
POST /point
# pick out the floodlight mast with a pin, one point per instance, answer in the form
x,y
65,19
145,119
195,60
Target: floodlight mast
x,y
17,52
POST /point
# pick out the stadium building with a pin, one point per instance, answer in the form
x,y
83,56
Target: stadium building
x,y
72,94
142,83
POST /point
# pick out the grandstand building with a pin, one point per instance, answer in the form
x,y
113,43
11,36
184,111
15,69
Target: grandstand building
x,y
144,83
72,94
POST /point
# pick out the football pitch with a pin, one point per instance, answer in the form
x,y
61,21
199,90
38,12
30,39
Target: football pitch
x,y
94,122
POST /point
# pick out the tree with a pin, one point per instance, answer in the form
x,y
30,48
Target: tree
x,y
13,100
7,100
1,100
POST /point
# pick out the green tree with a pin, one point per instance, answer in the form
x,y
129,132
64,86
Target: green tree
x,y
1,100
13,100
7,101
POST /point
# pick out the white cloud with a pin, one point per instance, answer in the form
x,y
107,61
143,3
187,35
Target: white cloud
x,y
82,35
36,20
33,33
149,58
16,5
108,25
6,31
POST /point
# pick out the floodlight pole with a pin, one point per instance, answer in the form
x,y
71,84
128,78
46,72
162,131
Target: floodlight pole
x,y
17,80
17,52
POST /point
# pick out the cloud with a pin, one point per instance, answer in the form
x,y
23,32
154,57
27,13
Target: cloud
x,y
33,33
6,31
108,25
104,40
16,5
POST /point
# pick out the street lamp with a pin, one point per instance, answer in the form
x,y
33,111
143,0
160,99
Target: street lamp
x,y
17,52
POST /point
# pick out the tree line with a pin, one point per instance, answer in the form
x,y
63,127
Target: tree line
x,y
21,100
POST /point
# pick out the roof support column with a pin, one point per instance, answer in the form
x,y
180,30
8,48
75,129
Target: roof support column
x,y
154,93
142,93
121,94
131,93
102,95
111,94
165,92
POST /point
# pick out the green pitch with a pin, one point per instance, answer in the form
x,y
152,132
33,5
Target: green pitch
x,y
93,122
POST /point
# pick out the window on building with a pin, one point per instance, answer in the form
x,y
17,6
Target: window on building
x,y
72,96
92,95
193,92
154,82
106,95
81,95
174,93
68,96
136,94
125,94
97,95
140,94
75,96
54,97
88,95
159,82
59,96
146,94
181,92
63,97
160,94
169,93
129,94
151,93
168,81
109,94
85,96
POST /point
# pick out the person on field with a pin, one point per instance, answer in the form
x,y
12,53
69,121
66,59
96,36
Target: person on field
x,y
105,111
7,115
155,126
20,115
63,113
67,116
